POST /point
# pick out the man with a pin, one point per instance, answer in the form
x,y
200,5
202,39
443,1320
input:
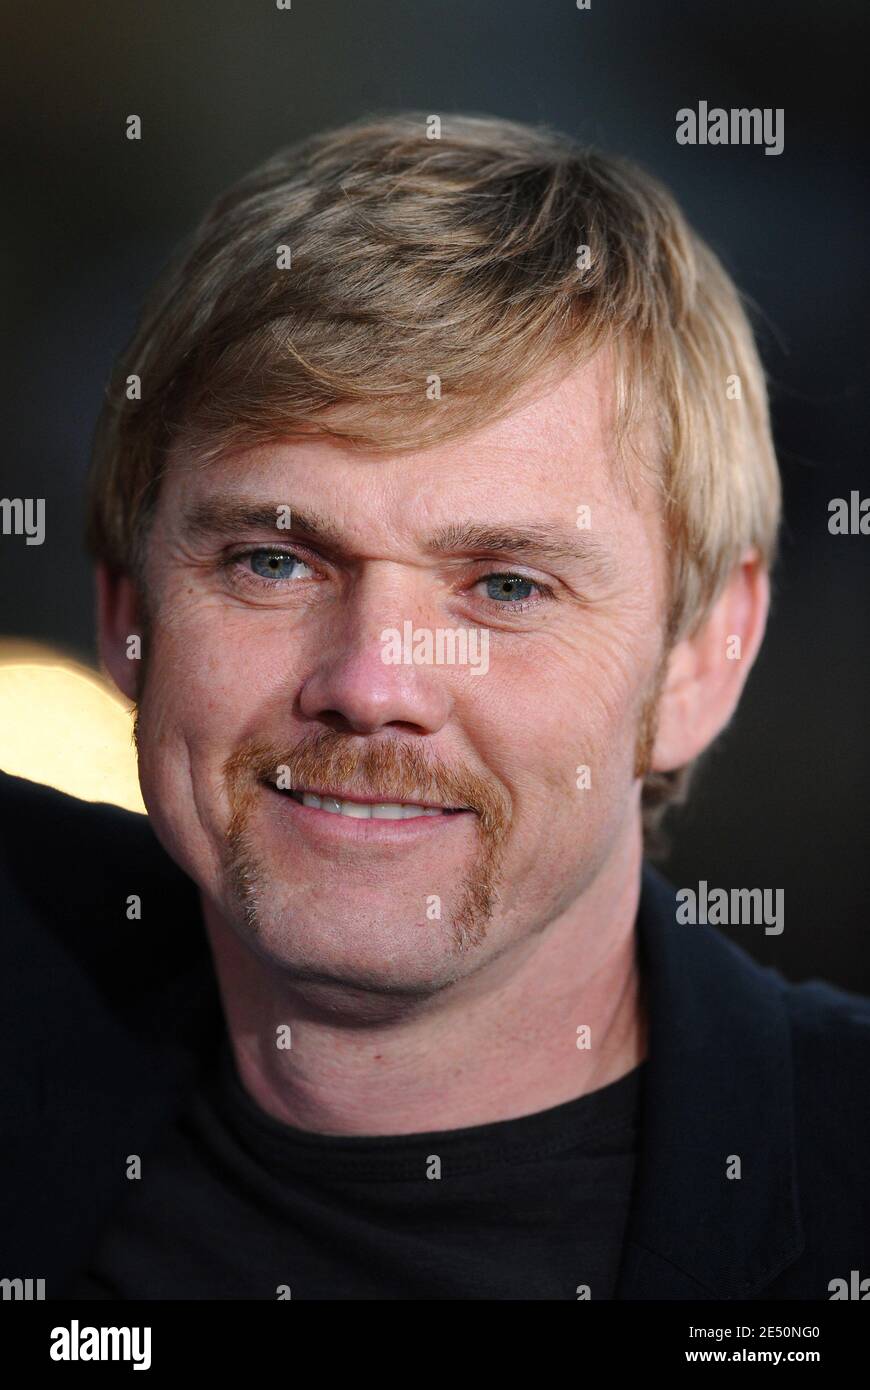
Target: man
x,y
433,507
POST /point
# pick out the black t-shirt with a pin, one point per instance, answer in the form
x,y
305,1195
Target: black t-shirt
x,y
237,1205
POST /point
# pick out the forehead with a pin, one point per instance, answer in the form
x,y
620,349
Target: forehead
x,y
551,453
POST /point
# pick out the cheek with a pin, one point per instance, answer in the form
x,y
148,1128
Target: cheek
x,y
559,731
565,706
208,671
201,694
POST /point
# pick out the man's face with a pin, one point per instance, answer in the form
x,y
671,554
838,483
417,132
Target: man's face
x,y
266,666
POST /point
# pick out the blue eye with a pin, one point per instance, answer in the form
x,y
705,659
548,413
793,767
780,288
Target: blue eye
x,y
509,588
273,564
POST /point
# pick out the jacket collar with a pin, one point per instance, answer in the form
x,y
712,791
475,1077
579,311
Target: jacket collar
x,y
718,1088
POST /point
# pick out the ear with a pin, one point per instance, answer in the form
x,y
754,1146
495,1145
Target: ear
x,y
706,672
118,619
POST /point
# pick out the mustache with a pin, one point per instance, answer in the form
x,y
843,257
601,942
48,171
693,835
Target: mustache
x,y
386,771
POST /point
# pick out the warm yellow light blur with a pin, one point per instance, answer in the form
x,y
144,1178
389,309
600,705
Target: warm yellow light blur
x,y
64,725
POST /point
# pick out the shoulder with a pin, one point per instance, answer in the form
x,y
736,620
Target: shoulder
x,y
821,1031
68,871
830,1030
34,818
817,1009
830,1044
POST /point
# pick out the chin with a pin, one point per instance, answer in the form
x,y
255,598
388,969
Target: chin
x,y
380,957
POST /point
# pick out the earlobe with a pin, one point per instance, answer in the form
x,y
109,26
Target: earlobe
x,y
706,672
119,630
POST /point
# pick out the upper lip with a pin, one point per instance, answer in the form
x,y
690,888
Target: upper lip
x,y
374,800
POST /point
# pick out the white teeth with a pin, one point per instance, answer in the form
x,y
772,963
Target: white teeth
x,y
366,810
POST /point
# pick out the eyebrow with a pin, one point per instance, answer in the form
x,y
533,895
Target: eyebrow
x,y
218,516
542,540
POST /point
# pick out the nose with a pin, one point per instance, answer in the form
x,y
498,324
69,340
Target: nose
x,y
352,687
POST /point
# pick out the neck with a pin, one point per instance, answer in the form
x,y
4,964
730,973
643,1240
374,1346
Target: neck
x,y
552,1017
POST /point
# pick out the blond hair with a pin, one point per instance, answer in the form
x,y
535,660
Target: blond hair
x,y
458,256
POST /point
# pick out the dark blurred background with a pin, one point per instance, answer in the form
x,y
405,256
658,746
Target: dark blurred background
x,y
90,217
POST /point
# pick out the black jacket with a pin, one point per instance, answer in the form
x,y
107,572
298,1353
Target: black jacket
x,y
106,1023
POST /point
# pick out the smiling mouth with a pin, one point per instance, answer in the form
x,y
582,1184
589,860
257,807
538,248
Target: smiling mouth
x,y
359,809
